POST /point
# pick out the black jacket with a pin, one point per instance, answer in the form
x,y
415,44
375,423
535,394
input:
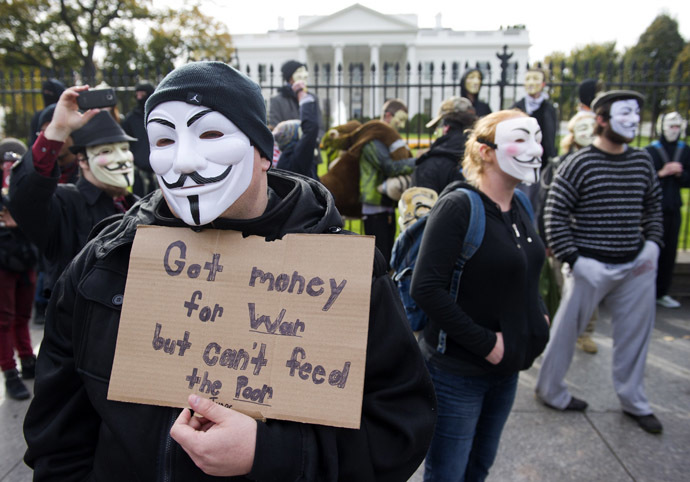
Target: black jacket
x,y
499,287
57,218
74,433
440,166
134,126
671,185
300,158
548,121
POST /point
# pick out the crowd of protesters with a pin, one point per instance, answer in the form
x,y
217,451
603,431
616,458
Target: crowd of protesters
x,y
73,197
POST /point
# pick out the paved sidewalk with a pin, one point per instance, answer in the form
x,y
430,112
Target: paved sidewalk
x,y
540,444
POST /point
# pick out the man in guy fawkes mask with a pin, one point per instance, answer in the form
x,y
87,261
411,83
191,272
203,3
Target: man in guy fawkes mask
x,y
536,104
58,218
603,218
470,84
671,158
211,148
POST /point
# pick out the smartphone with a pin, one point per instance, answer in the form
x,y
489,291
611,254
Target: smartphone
x,y
93,99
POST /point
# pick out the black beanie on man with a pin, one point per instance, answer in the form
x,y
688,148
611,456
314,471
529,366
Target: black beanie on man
x,y
224,89
289,67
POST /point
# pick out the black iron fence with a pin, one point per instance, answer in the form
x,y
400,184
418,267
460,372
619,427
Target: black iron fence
x,y
357,91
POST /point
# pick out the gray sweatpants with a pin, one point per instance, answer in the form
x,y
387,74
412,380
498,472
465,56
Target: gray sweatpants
x,y
628,291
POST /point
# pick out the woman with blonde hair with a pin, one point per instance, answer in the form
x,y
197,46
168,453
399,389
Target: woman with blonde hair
x,y
475,345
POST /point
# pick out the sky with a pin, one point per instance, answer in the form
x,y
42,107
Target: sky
x,y
552,25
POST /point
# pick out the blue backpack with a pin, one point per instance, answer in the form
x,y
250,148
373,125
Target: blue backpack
x,y
406,249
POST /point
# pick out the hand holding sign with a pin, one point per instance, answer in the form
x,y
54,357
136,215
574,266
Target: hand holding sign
x,y
209,439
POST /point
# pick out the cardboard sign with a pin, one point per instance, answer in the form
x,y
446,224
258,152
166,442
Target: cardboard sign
x,y
271,329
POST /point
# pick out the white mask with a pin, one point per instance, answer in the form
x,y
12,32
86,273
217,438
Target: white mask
x,y
518,148
203,161
534,82
301,74
398,120
583,130
625,118
473,83
112,164
671,126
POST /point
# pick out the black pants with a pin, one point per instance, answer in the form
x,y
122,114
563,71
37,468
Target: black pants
x,y
382,226
667,255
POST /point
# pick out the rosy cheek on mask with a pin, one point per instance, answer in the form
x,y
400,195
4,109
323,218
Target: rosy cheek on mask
x,y
512,150
102,160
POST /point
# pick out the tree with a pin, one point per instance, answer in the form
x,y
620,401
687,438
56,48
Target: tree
x,y
661,42
681,73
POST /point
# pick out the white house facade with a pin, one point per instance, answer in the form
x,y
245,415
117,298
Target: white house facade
x,y
379,47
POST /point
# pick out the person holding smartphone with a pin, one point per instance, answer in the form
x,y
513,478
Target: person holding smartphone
x,y
58,218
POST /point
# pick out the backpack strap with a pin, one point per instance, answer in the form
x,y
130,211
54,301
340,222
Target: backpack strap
x,y
678,154
526,203
473,239
661,151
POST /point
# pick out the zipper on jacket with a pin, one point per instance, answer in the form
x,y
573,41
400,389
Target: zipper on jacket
x,y
168,451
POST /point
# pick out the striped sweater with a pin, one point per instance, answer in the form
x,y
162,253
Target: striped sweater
x,y
603,206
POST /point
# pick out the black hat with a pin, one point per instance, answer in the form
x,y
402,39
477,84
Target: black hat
x,y
145,86
46,115
289,67
586,91
11,144
102,129
613,95
224,89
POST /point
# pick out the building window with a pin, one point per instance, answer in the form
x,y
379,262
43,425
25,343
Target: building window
x,y
262,73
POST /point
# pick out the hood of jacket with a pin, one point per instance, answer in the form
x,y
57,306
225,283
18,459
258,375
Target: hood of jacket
x,y
450,145
296,204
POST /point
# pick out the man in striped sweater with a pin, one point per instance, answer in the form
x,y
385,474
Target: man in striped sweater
x,y
603,221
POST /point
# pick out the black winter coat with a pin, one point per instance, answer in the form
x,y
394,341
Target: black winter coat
x,y
57,218
441,164
74,433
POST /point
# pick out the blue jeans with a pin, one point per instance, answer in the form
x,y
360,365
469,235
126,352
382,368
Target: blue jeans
x,y
471,414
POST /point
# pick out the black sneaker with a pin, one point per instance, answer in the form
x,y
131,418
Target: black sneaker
x,y
14,386
648,423
29,367
575,405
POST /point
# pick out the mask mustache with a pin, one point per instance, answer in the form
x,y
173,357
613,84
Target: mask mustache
x,y
196,177
119,166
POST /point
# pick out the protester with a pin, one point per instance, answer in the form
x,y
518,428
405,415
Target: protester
x,y
671,158
133,125
58,218
475,345
586,91
603,219
440,165
375,166
73,430
536,104
17,283
297,139
470,84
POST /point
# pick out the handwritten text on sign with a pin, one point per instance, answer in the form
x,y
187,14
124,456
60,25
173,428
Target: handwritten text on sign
x,y
271,329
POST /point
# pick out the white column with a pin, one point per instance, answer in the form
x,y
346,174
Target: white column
x,y
413,108
376,95
302,54
339,111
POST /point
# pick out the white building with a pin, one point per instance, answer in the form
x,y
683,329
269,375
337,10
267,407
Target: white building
x,y
360,36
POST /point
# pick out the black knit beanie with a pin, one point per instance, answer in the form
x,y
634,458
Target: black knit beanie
x,y
224,89
586,91
289,67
